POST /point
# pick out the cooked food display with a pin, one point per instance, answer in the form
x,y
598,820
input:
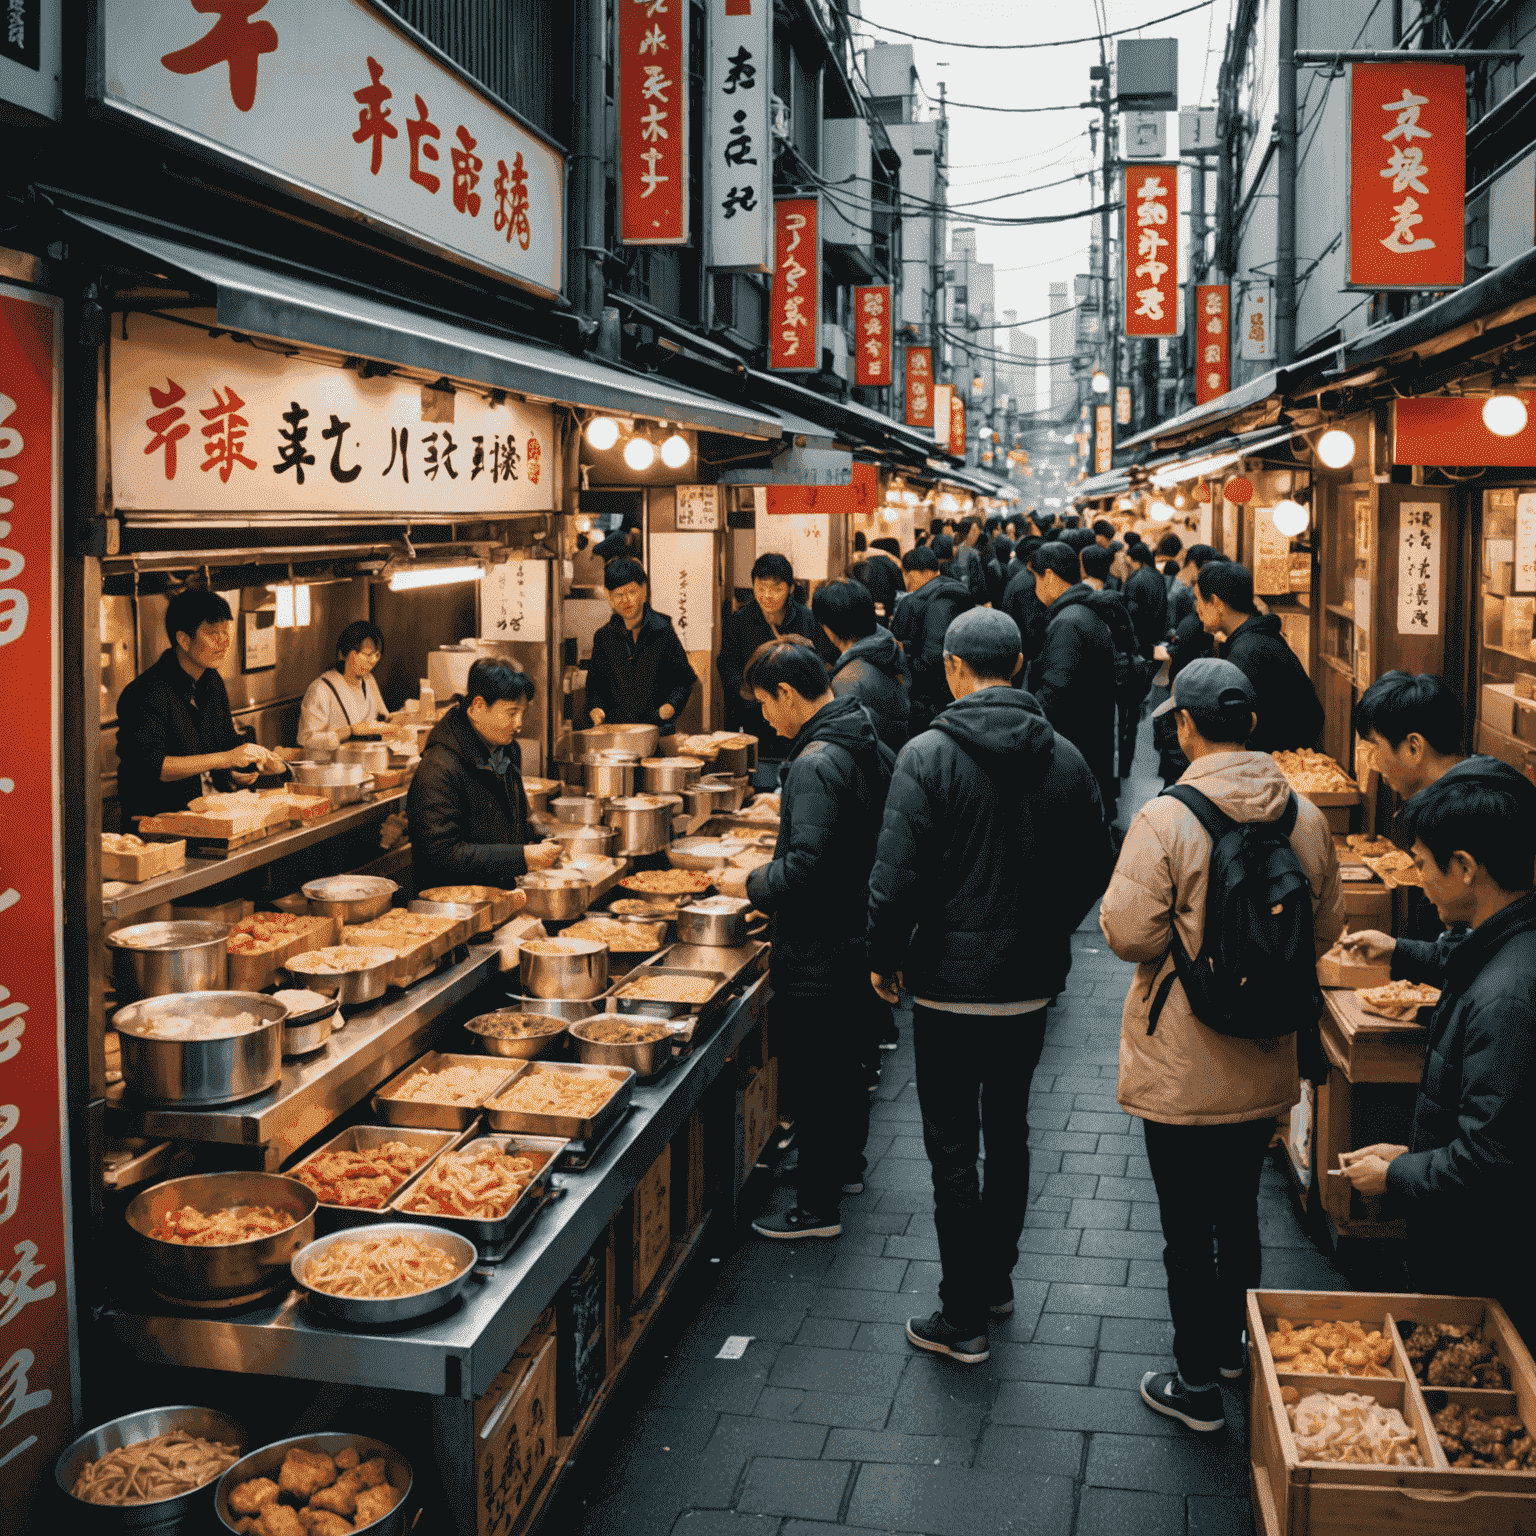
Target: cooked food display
x,y
271,930
1398,999
506,1024
1315,771
156,1469
670,989
1348,1426
613,1032
193,1026
215,1229
1324,1348
469,895
1395,868
121,842
732,740
1369,847
326,1496
341,959
462,1087
1475,1437
557,1093
300,1000
484,1182
380,1268
560,946
361,1180
638,906
1454,1355
668,882
626,938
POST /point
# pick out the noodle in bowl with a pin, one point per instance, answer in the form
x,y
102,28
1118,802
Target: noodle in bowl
x,y
384,1272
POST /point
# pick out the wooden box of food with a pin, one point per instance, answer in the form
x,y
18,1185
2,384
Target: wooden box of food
x,y
514,1438
1293,1496
1335,970
1369,1048
273,938
759,1113
122,860
653,1223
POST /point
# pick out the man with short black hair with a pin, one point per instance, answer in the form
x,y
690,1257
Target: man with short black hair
x,y
971,560
932,602
1415,726
1146,594
639,673
1132,675
1103,532
870,665
1020,602
1189,637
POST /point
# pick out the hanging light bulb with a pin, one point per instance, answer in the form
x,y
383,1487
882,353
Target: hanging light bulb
x,y
639,453
675,452
1291,518
1504,412
602,433
1160,512
1336,448
1100,382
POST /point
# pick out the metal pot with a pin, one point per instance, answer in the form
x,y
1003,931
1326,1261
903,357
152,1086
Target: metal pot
x,y
300,1038
718,922
349,988
156,959
706,799
645,1058
350,898
735,785
568,1008
643,825
528,1047
607,774
669,775
538,792
371,755
340,783
736,760
639,739
202,1072
584,842
578,969
578,810
555,896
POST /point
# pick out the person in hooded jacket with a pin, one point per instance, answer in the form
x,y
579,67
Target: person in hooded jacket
x,y
833,789
467,809
1147,595
1020,602
922,616
989,810
882,575
1132,674
972,551
871,665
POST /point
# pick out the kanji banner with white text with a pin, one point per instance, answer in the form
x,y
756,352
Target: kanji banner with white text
x,y
738,135
1151,250
872,336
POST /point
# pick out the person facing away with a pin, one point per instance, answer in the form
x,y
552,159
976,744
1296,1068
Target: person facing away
x,y
970,557
1207,1100
1020,601
992,850
1147,596
639,673
1189,637
871,665
1132,674
932,602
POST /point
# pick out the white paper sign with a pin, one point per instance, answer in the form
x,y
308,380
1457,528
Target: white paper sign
x,y
1418,568
738,136
734,1347
335,99
204,424
30,56
803,538
1525,543
682,585
698,508
1272,559
1256,335
514,601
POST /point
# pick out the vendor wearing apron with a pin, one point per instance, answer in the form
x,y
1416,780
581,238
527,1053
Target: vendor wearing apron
x,y
339,700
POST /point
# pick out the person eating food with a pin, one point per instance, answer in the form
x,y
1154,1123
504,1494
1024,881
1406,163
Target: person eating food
x,y
340,700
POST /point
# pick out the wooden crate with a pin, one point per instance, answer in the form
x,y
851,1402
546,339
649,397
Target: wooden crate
x,y
1296,1498
1368,1048
514,1428
652,1229
759,1113
144,863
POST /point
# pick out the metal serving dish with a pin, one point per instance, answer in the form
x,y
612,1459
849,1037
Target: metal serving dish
x,y
646,1058
572,1127
386,1311
471,918
643,824
717,922
578,810
554,895
606,774
368,1139
523,1047
349,988
639,739
502,903
578,969
227,1271
736,786
340,783
436,1117
586,842
155,959
706,853
202,1072
568,1008
160,1515
309,1032
539,792
370,755
493,1231
269,1459
657,1008
350,898
705,800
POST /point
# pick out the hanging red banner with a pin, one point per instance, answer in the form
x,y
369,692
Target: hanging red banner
x,y
872,330
1448,429
1407,175
919,386
1213,341
653,122
957,425
794,310
859,498
1151,250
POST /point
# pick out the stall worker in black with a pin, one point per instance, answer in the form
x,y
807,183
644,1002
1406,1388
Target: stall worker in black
x,y
174,728
346,696
467,809
639,673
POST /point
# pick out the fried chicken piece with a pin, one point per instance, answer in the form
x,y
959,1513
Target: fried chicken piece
x,y
324,1522
369,1474
374,1503
347,1459
279,1520
306,1472
252,1497
340,1498
1452,1365
1422,1343
245,1527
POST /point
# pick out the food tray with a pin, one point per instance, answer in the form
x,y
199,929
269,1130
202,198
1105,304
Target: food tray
x,y
367,1138
656,1009
145,863
499,1230
253,972
435,1117
570,1127
503,903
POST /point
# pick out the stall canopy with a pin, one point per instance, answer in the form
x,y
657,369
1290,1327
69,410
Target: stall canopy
x,y
262,301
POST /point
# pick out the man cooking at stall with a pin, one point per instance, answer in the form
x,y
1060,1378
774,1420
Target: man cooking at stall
x,y
639,673
174,728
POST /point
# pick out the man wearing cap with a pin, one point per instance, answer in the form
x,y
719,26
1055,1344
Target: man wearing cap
x,y
1207,1101
992,850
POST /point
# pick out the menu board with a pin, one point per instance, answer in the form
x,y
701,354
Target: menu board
x,y
682,585
1418,568
513,601
1525,543
698,508
1272,557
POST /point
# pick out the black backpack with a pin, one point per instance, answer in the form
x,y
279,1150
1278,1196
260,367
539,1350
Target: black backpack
x,y
1255,977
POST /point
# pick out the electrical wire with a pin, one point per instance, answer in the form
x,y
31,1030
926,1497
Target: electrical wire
x,y
1059,42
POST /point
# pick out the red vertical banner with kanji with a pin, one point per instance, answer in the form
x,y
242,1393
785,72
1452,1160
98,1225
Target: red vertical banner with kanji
x,y
1407,175
794,308
38,1368
919,386
653,122
1151,250
872,335
957,425
1212,341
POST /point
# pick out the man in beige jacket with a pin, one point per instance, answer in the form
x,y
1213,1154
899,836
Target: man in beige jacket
x,y
1207,1101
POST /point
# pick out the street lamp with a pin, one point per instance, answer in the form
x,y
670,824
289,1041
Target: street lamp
x,y
1100,382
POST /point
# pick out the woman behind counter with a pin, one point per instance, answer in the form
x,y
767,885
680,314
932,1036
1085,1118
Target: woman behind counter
x,y
346,697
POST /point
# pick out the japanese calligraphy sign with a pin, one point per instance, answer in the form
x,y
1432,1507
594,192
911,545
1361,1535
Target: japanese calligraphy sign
x,y
1407,175
1151,250
682,569
653,121
872,336
1103,440
698,508
919,386
803,538
1213,341
738,136
1418,568
956,425
794,310
1256,337
338,101
942,395
203,424
30,54
38,1368
514,603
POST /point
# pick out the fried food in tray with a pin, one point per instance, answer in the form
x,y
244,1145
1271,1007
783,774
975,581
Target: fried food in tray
x,y
1454,1355
557,1093
1329,1349
1350,1427
1478,1437
510,1024
462,1087
481,1182
1394,868
341,959
670,989
623,938
668,882
1369,847
315,1495
1314,772
361,1180
1399,1000
217,1229
150,1470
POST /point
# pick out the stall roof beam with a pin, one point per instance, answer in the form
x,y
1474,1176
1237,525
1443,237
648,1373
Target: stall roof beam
x,y
1262,392
1314,58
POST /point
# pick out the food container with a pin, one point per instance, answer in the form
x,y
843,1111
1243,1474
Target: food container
x,y
669,775
502,903
585,842
646,1058
590,1128
736,760
306,1032
698,853
372,756
706,799
228,1271
639,739
568,1008
472,919
340,783
191,1509
642,823
156,959
525,1047
555,896
349,988
658,1008
578,810
578,969
202,1072
736,785
267,1461
368,1139
435,1117
538,792
493,1231
350,898
386,1311
718,922
606,774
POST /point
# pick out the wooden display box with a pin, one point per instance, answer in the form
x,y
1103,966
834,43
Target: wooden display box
x,y
759,1113
251,973
514,1427
652,1228
144,863
583,1329
1341,975
1292,1497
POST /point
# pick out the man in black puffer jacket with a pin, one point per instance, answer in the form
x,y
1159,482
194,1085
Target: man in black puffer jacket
x,y
871,665
992,851
834,786
922,616
1146,594
1133,675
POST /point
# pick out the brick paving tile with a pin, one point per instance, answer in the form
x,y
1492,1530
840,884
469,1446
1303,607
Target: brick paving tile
x,y
1219,1517
885,1338
1112,1369
1136,1336
1101,1244
812,1490
926,1248
1050,1239
910,1450
723,1522
1041,1362
1128,1189
1095,1409
922,1278
1180,1464
1114,1512
1099,1213
857,1372
1065,1328
865,1272
827,1332
1108,1163
1058,1266
1053,1452
743,1436
1063,1141
1145,1217
945,1501
834,1408
869,1306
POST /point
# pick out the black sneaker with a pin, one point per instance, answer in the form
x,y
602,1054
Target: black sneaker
x,y
854,1187
935,1334
1236,1368
1164,1393
796,1224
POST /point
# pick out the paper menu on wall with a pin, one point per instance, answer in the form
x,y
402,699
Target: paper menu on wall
x,y
513,602
682,585
1525,543
1418,568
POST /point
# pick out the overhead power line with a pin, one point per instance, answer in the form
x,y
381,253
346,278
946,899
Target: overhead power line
x,y
1060,42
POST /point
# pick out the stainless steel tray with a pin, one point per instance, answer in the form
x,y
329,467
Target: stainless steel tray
x,y
434,1117
496,1231
656,1009
369,1138
571,1127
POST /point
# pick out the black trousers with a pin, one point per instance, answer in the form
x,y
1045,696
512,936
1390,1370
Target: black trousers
x,y
1207,1179
973,1074
822,1043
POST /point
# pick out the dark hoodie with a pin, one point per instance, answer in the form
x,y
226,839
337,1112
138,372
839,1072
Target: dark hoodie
x,y
834,785
1289,712
920,622
1074,680
630,678
468,810
874,671
992,852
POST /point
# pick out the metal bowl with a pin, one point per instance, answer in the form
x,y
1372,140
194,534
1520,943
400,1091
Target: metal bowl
x,y
669,775
202,1072
526,1047
267,1461
555,896
578,969
370,755
644,825
717,922
568,1008
154,959
350,898
698,853
300,1038
230,1270
341,783
736,785
383,1312
639,739
349,988
132,1429
585,842
645,1058
578,810
707,799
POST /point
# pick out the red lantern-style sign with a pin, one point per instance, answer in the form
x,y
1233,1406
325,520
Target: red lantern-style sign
x,y
1202,492
1238,491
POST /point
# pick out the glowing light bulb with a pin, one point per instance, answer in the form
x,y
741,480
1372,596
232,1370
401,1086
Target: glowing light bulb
x,y
1160,512
1336,448
1291,518
602,433
1504,415
675,452
1100,382
639,453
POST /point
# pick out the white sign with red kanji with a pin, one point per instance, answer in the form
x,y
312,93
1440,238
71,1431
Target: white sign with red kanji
x,y
682,585
337,100
1418,568
205,424
738,135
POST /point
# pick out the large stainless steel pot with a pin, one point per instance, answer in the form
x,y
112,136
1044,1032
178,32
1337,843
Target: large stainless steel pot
x,y
669,775
736,760
156,959
639,739
539,792
372,755
202,1072
735,785
340,783
554,895
644,825
582,842
350,898
706,799
717,922
607,774
578,810
268,1461
566,968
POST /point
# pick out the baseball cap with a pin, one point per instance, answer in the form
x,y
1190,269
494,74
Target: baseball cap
x,y
986,640
1210,686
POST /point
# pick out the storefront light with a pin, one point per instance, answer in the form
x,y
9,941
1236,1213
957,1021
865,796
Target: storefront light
x,y
291,605
602,433
412,577
1336,448
675,452
1291,518
1100,382
947,502
1160,512
639,453
1504,415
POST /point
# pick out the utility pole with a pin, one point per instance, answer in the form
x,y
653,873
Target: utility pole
x,y
1106,313
936,239
1196,272
1285,202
